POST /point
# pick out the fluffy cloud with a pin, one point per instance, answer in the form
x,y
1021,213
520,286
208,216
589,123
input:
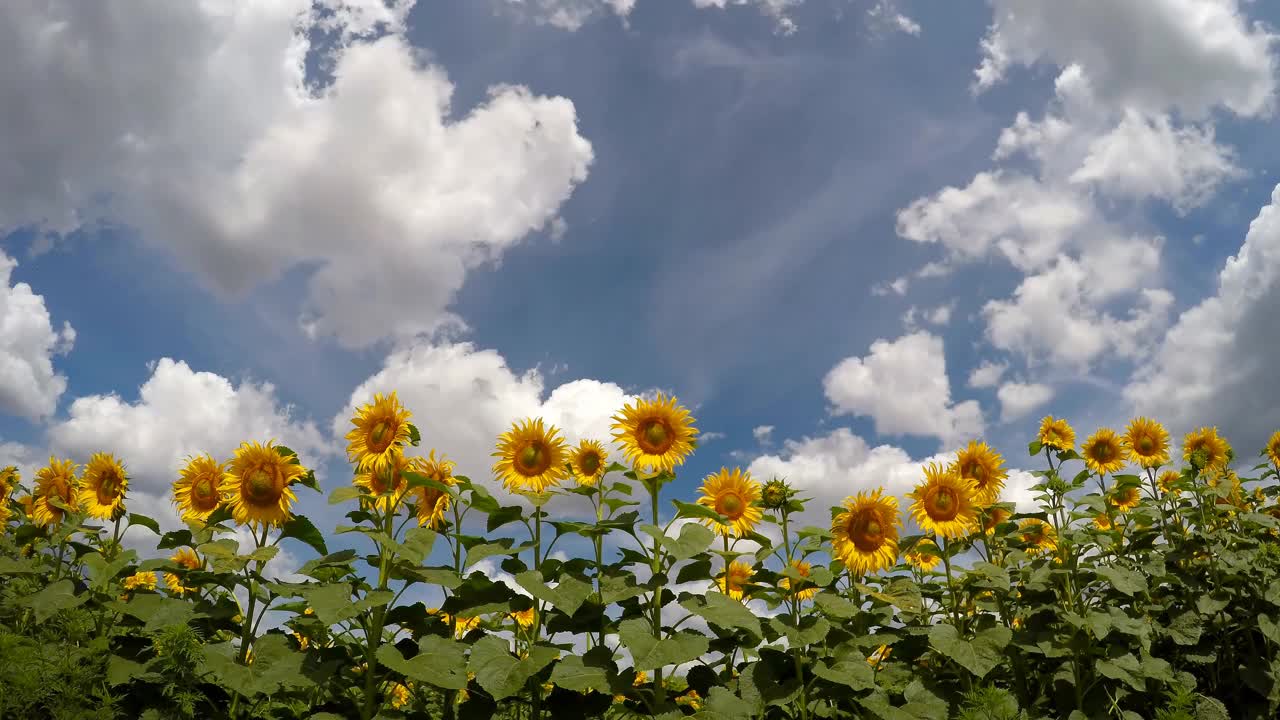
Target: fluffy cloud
x,y
1216,363
902,385
29,386
1017,399
987,374
569,15
572,15
1194,54
210,139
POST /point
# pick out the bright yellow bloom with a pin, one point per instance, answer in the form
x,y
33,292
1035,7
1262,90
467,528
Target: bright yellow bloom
x,y
1102,521
399,695
1205,440
589,460
734,581
1103,453
381,431
1167,480
880,655
8,480
186,558
1016,623
1147,443
5,514
302,640
523,618
197,491
984,467
655,434
432,503
803,569
140,581
924,556
691,699
994,518
1038,535
944,502
56,481
865,535
1056,434
464,626
531,457
102,486
735,495
386,486
641,678
1272,451
257,484
1125,499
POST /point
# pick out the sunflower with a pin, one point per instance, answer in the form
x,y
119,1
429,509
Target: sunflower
x,y
1102,452
983,466
5,514
944,503
1038,535
1102,521
924,556
1168,481
380,433
735,495
102,486
1125,499
398,694
432,503
302,640
140,581
1147,442
387,486
531,457
803,569
865,535
197,491
994,518
1207,441
881,654
588,461
58,481
257,484
691,699
8,480
186,558
465,625
1056,433
523,618
655,434
733,582
1272,452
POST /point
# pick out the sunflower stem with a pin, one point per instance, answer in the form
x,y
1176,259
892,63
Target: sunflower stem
x,y
374,636
597,542
654,489
794,602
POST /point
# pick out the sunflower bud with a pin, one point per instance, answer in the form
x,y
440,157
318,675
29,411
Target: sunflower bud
x,y
775,494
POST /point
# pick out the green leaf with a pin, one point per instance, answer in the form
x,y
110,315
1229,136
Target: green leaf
x,y
649,653
1125,668
480,552
722,610
174,539
901,593
53,598
333,604
440,662
1208,708
979,655
614,588
723,704
572,673
9,566
1126,581
696,511
1034,448
503,516
855,674
1211,604
693,539
836,606
567,596
286,452
102,572
122,670
417,544
343,494
1185,628
1269,628
300,528
499,672
155,611
144,521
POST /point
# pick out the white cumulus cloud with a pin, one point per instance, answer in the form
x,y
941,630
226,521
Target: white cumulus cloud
x,y
29,385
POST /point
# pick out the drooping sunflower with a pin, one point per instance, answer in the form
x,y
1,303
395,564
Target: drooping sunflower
x,y
803,568
1147,442
380,433
1272,451
1038,535
531,456
1125,499
55,481
185,558
984,467
1103,453
140,581
386,486
589,460
256,485
1056,433
655,434
924,556
197,491
432,503
399,695
1207,441
1168,482
880,655
944,503
994,518
733,582
523,618
865,535
102,486
735,495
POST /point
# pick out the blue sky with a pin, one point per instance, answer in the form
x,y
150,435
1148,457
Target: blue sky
x,y
711,201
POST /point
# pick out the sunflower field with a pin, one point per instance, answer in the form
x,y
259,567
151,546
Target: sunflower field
x,y
1144,584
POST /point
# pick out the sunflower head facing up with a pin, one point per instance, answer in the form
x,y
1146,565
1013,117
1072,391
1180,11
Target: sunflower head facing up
x,y
257,484
944,502
381,431
1147,443
1103,452
980,464
1039,536
198,490
1056,433
865,535
102,486
55,481
589,461
735,495
1206,447
655,434
733,581
432,503
187,559
924,556
531,457
803,569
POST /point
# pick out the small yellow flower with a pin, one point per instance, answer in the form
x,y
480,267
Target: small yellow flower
x,y
140,581
589,460
981,465
655,434
531,456
302,641
1125,499
185,558
380,433
56,481
1102,521
1167,482
399,695
732,583
944,503
1038,535
102,487
1103,453
257,487
432,503
1147,443
735,495
1207,441
197,491
880,655
1272,452
523,618
803,569
924,556
1016,623
690,699
1056,433
994,518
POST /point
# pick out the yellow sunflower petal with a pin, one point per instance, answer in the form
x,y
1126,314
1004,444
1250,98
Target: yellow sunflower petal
x,y
102,486
865,535
1056,433
589,460
980,464
735,495
198,490
732,583
1103,452
381,431
655,434
1147,442
944,502
55,481
531,456
257,485
432,503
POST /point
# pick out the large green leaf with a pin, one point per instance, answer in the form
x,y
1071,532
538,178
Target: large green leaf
x,y
724,705
693,539
417,544
144,521
722,610
1125,668
300,528
53,598
1185,628
499,672
567,596
854,673
440,662
901,593
480,552
1126,581
101,572
333,604
156,611
649,653
979,655
835,606
572,673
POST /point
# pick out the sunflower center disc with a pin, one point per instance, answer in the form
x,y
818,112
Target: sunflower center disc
x,y
656,434
1145,445
376,437
531,458
590,463
203,489
1102,452
730,506
261,486
976,472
